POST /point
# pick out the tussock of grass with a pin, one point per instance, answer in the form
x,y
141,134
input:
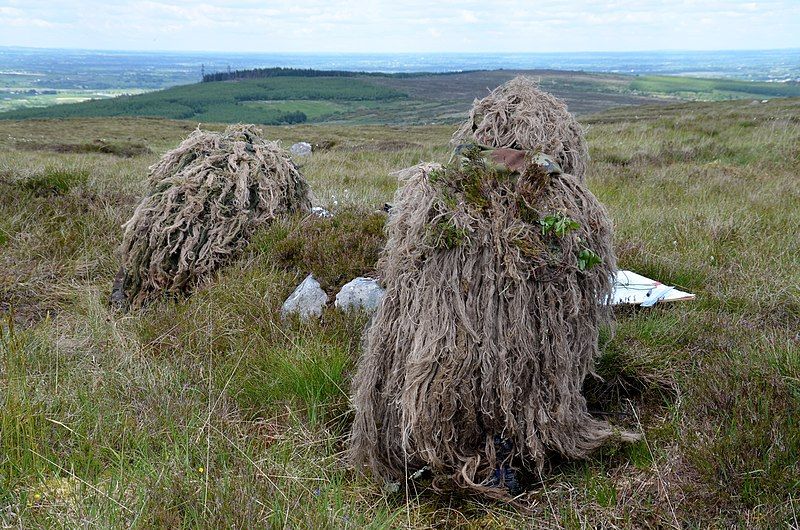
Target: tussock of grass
x,y
54,181
308,378
124,149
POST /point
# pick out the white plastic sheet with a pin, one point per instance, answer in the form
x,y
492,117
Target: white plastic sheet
x,y
632,288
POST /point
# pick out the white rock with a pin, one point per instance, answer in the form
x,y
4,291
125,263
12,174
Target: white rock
x,y
361,293
307,300
301,149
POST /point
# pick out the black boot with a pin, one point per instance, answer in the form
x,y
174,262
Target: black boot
x,y
504,475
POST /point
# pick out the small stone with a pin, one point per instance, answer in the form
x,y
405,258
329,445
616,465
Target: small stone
x,y
307,300
361,293
301,149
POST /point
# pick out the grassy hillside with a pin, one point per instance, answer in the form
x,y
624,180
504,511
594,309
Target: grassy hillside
x,y
223,101
711,89
292,96
213,412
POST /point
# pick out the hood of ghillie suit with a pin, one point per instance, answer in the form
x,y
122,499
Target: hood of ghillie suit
x,y
204,200
496,282
519,115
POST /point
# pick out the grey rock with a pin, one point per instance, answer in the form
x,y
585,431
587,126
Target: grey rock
x,y
301,149
307,300
361,293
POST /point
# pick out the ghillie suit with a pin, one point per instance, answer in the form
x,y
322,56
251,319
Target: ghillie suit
x,y
496,282
204,200
519,115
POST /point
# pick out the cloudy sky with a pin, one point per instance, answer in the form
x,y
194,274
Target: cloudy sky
x,y
401,26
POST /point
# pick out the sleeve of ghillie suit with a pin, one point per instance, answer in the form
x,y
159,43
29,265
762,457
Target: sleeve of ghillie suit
x,y
380,377
569,312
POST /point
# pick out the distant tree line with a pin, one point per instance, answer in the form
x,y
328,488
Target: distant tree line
x,y
262,73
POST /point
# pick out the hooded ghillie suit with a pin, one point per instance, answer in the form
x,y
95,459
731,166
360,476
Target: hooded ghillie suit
x,y
204,200
519,115
496,273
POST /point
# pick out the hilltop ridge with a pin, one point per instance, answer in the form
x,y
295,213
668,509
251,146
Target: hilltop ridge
x,y
277,96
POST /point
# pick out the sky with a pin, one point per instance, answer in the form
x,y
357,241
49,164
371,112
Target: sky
x,y
415,26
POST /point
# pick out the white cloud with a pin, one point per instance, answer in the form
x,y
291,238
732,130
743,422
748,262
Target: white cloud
x,y
469,17
10,12
435,33
390,26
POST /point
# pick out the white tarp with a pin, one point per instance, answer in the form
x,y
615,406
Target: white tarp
x,y
632,288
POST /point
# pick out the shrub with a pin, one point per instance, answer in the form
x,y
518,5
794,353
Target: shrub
x,y
54,181
335,250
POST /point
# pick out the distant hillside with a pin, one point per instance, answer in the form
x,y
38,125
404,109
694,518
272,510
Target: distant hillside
x,y
229,101
712,89
276,96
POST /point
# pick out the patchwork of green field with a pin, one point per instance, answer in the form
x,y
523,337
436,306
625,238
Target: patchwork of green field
x,y
313,109
213,412
711,89
23,97
223,101
17,80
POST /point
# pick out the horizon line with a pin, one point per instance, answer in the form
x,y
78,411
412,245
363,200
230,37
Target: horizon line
x,y
160,51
